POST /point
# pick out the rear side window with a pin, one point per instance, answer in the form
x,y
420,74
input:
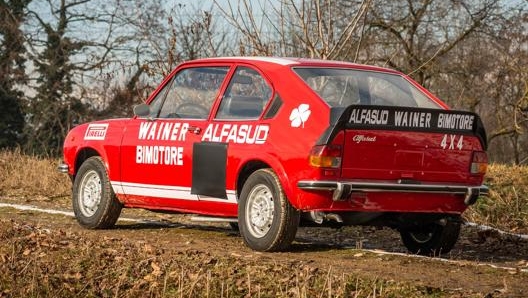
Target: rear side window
x,y
246,95
343,87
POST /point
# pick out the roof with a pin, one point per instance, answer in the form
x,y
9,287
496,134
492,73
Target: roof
x,y
274,60
291,61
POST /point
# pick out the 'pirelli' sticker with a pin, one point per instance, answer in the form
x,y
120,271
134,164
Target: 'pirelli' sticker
x,y
96,131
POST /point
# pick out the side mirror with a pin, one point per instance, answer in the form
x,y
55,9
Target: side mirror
x,y
142,110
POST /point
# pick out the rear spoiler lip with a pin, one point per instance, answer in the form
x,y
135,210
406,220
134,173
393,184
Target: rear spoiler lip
x,y
340,120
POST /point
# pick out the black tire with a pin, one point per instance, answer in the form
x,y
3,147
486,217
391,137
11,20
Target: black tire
x,y
94,202
234,226
267,220
431,239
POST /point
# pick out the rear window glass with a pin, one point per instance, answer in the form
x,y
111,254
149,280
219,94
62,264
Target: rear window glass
x,y
343,87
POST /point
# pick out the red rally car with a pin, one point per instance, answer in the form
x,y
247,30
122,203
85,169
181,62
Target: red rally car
x,y
274,143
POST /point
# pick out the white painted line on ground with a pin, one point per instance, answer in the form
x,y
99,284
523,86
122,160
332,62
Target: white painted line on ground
x,y
53,211
34,208
458,262
503,233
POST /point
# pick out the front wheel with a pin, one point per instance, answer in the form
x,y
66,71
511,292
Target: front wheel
x,y
94,202
267,220
431,239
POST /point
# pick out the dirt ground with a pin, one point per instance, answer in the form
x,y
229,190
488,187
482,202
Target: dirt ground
x,y
482,264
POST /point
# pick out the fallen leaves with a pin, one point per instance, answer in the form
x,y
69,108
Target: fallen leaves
x,y
35,261
72,276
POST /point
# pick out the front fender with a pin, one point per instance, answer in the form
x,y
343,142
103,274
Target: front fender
x,y
82,142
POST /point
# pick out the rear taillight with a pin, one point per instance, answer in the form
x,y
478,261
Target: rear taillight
x,y
326,156
479,163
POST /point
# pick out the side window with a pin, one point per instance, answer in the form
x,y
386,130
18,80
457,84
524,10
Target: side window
x,y
245,97
193,92
156,103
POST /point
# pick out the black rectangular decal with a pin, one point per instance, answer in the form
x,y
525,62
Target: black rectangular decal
x,y
209,169
404,118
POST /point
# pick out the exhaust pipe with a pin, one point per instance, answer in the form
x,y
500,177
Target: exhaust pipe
x,y
319,217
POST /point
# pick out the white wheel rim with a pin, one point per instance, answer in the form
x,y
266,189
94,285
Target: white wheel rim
x,y
421,237
90,193
259,211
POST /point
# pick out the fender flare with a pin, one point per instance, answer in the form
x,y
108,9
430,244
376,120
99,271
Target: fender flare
x,y
273,163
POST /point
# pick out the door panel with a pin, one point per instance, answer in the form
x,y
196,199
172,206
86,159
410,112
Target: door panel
x,y
157,153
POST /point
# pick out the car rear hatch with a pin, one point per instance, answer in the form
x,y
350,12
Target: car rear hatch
x,y
408,145
388,134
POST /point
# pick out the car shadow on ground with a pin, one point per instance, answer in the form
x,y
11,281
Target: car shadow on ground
x,y
154,224
473,245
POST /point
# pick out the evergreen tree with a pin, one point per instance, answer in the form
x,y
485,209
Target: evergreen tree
x,y
12,71
52,108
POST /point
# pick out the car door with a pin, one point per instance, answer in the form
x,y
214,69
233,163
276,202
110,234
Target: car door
x,y
240,121
157,151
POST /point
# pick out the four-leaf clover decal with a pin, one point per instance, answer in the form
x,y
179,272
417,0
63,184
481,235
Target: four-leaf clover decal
x,y
300,115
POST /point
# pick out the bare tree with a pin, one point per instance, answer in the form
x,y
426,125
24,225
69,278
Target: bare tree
x,y
307,28
487,73
509,91
412,36
156,39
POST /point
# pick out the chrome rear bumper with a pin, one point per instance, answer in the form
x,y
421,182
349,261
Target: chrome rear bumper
x,y
342,190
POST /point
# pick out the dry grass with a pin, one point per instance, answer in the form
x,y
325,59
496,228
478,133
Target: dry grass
x,y
507,206
23,175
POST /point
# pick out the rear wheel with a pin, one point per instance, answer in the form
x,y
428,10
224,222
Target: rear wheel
x,y
94,202
431,239
267,220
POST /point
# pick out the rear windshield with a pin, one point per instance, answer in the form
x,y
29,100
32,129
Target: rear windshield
x,y
343,87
